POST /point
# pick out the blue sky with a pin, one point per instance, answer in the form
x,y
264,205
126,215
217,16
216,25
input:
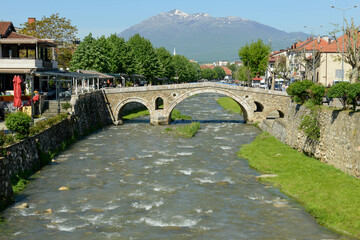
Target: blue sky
x,y
104,17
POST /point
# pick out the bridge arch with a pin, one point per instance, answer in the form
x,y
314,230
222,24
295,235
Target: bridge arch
x,y
120,106
245,107
278,112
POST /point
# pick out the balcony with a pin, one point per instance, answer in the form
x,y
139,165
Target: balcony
x,y
26,63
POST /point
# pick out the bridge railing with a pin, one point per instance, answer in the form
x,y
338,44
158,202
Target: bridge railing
x,y
193,85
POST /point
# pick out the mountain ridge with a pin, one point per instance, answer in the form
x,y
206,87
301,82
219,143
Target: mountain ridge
x,y
205,38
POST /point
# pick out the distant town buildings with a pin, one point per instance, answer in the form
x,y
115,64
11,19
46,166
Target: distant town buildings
x,y
316,59
220,63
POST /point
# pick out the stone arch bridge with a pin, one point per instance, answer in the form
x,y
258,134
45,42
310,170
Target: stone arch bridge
x,y
255,103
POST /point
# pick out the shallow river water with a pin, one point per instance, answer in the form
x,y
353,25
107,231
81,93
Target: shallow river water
x,y
136,182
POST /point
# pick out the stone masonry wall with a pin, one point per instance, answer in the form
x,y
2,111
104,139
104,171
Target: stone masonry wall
x,y
339,143
90,113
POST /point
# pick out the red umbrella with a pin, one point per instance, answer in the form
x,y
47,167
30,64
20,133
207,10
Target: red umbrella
x,y
17,91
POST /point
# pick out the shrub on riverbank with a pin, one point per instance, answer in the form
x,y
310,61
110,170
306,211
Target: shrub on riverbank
x,y
229,104
330,195
18,122
185,131
44,124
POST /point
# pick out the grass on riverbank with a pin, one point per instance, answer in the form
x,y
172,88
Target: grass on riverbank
x,y
175,115
229,104
330,195
185,131
136,114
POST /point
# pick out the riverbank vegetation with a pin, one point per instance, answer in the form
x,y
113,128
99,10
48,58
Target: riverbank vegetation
x,y
175,114
330,195
184,131
229,104
136,113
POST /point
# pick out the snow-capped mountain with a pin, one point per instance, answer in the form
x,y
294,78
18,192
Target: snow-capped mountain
x,y
205,38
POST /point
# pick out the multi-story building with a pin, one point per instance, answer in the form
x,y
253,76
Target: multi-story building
x,y
22,55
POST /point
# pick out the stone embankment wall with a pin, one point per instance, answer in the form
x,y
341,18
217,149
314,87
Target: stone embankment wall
x,y
89,113
339,143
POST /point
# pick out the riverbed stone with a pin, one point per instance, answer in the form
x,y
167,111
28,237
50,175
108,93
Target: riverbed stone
x,y
63,189
22,206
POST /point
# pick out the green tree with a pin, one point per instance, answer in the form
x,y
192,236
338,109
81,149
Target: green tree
x,y
299,91
102,61
85,54
92,54
117,53
255,56
245,74
340,90
18,122
220,72
144,55
234,69
208,73
353,94
54,27
317,92
184,70
166,62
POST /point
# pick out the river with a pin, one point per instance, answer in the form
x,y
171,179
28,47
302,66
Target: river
x,y
136,182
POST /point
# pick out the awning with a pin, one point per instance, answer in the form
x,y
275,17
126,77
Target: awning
x,y
257,79
64,74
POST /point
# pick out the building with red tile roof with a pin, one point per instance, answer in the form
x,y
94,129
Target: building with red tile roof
x,y
329,69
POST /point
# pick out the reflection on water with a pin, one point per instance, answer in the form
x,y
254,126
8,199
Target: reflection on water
x,y
135,182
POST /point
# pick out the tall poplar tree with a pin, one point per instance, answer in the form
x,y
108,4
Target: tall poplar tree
x,y
144,55
255,56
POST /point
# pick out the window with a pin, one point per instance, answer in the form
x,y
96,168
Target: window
x,y
339,74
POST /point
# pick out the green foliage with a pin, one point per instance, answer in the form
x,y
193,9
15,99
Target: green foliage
x,y
220,73
18,122
208,73
2,137
330,195
353,94
245,74
176,115
255,56
58,28
145,57
310,125
117,53
66,106
299,91
44,124
18,184
184,70
185,131
317,92
167,69
340,90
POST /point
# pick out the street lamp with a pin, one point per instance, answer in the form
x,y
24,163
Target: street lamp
x,y
343,45
313,56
